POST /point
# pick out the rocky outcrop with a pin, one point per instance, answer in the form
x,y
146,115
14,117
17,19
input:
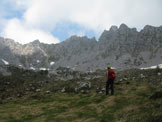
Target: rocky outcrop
x,y
121,47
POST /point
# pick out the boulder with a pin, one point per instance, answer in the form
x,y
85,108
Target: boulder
x,y
121,80
84,85
133,78
27,89
33,88
76,90
100,92
18,95
159,73
125,79
142,76
48,92
8,83
84,91
37,90
63,90
103,89
10,98
97,90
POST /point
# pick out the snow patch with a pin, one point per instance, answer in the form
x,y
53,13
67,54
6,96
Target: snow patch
x,y
5,62
52,63
32,68
91,71
38,61
43,69
153,67
73,68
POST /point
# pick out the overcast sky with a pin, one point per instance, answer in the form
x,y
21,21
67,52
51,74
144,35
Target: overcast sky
x,y
52,21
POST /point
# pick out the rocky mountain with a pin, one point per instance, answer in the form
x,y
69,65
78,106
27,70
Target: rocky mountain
x,y
121,47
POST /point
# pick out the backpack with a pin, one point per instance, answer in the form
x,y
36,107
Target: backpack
x,y
111,74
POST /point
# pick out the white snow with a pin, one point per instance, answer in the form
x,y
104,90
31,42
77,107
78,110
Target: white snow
x,y
20,65
5,62
160,65
32,68
38,61
52,63
73,68
91,71
44,69
153,67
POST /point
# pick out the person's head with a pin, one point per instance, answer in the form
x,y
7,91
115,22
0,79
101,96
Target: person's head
x,y
108,67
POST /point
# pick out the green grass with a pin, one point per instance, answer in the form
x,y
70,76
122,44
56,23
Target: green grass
x,y
131,103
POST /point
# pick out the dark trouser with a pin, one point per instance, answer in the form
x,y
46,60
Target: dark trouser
x,y
110,83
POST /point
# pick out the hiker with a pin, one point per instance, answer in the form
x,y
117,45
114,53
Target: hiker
x,y
110,80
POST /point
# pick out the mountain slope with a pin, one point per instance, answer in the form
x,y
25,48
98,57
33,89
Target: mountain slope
x,y
122,47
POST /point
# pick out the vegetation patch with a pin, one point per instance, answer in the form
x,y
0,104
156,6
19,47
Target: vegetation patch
x,y
138,101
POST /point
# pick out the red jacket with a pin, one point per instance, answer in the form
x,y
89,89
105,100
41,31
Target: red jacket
x,y
110,74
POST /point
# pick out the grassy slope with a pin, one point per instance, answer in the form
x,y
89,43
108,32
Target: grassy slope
x,y
131,103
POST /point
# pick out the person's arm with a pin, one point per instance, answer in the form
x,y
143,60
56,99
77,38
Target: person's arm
x,y
107,74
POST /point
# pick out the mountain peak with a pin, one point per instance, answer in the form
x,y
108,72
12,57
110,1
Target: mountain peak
x,y
35,42
122,47
123,26
149,27
113,28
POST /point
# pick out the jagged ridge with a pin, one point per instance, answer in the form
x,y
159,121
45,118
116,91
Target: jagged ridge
x,y
122,47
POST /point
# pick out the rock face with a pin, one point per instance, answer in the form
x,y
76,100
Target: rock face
x,y
121,47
